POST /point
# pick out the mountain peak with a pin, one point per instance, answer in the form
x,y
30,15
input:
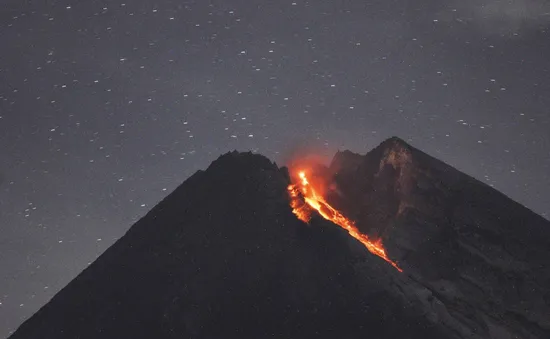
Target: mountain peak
x,y
244,160
394,151
393,142
424,208
474,262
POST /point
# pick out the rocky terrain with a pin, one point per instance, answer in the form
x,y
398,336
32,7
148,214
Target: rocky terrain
x,y
223,256
481,257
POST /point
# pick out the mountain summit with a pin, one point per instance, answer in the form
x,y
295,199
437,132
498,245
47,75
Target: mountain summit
x,y
482,255
225,256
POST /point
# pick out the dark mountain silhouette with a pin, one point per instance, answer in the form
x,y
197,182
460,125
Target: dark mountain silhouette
x,y
223,256
482,255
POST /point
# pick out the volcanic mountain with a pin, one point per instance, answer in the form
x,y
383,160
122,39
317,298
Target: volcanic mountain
x,y
391,244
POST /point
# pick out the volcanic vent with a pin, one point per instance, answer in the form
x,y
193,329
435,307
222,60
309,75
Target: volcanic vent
x,y
304,199
227,255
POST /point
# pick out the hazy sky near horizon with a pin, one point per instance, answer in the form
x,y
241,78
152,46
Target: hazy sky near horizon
x,y
107,106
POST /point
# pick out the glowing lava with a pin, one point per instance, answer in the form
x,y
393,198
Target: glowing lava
x,y
305,199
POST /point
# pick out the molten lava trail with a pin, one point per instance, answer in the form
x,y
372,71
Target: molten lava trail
x,y
313,200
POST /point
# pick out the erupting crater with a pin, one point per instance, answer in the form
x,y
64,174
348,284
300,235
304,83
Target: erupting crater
x,y
304,199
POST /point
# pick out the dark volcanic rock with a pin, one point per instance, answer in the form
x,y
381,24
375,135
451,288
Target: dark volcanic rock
x,y
482,256
224,257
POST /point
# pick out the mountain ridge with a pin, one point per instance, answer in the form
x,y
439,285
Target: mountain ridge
x,y
226,239
424,209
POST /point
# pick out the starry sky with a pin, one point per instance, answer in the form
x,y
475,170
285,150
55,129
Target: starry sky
x,y
107,106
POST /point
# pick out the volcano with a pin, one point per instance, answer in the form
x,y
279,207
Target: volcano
x,y
391,244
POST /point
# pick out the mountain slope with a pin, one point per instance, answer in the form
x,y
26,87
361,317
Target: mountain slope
x,y
482,255
223,256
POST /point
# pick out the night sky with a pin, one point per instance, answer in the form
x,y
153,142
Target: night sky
x,y
107,106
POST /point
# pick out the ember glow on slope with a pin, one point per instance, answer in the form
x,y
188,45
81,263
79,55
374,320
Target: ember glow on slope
x,y
312,200
107,106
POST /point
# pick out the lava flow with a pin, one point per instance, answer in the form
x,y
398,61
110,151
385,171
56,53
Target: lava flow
x,y
305,199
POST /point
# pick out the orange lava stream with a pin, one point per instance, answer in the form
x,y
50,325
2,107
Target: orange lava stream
x,y
315,201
